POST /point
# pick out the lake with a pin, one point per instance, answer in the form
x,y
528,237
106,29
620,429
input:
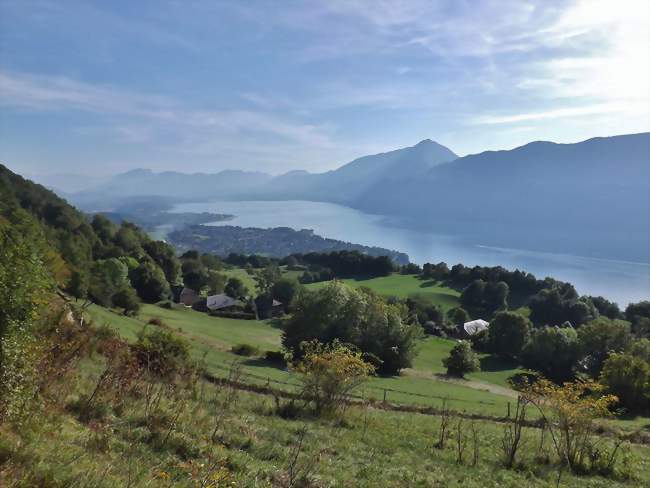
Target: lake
x,y
620,281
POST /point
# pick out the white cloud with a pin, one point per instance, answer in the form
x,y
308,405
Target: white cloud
x,y
61,93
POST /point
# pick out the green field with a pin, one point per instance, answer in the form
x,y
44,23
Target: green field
x,y
185,442
212,337
403,286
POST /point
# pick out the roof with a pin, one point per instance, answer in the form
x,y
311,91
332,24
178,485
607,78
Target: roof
x,y
475,326
188,296
215,302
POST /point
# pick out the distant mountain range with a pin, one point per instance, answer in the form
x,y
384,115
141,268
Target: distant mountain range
x,y
591,197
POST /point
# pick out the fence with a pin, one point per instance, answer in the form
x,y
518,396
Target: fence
x,y
384,392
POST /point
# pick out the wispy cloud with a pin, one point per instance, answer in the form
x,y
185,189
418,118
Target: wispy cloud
x,y
61,93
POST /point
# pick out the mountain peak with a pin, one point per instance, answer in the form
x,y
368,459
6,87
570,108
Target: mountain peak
x,y
424,142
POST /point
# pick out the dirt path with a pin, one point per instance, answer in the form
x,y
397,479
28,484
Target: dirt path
x,y
476,385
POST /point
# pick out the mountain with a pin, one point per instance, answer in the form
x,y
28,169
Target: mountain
x,y
593,196
589,198
342,185
348,182
172,185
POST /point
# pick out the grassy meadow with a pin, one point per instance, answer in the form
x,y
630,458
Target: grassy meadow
x,y
212,337
201,434
403,286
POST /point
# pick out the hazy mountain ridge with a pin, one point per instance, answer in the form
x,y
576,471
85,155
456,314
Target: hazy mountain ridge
x,y
590,197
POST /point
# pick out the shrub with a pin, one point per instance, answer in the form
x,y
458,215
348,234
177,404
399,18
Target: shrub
x,y
329,373
462,359
628,378
276,357
481,341
569,412
155,321
127,299
600,337
244,350
161,352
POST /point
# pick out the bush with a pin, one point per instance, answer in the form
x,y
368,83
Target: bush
x,y
155,321
126,298
462,359
481,341
244,350
276,357
161,352
628,378
599,338
329,374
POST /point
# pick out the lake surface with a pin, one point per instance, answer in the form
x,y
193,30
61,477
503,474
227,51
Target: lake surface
x,y
620,281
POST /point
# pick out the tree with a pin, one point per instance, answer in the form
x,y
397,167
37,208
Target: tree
x,y
599,338
640,348
266,278
425,310
553,351
165,257
127,299
357,317
508,333
639,316
25,286
606,308
150,283
284,290
628,377
560,304
457,316
485,298
195,276
461,360
236,289
216,282
107,276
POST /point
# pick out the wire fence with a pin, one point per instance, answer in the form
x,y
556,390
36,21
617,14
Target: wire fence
x,y
386,393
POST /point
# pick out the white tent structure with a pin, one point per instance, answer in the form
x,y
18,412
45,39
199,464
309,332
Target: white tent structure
x,y
217,302
475,326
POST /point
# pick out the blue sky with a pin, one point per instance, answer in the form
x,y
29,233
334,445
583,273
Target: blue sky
x,y
94,88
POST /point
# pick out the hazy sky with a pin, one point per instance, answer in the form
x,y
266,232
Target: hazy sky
x,y
98,87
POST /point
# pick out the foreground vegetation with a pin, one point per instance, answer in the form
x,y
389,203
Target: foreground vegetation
x,y
110,423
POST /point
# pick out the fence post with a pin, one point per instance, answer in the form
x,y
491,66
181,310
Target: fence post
x,y
384,395
508,409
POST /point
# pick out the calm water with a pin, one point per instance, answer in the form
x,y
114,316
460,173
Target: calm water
x,y
617,280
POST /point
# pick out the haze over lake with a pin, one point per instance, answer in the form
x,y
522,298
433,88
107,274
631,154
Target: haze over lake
x,y
621,281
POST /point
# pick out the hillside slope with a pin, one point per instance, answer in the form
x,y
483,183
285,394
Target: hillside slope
x,y
589,196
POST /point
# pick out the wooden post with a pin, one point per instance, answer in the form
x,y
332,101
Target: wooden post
x,y
384,395
508,409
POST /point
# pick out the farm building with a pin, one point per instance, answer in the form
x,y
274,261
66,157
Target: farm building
x,y
188,297
221,302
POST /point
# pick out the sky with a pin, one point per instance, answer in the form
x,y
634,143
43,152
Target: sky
x,y
93,88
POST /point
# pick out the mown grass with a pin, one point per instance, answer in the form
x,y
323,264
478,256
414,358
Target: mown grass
x,y
403,286
254,447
